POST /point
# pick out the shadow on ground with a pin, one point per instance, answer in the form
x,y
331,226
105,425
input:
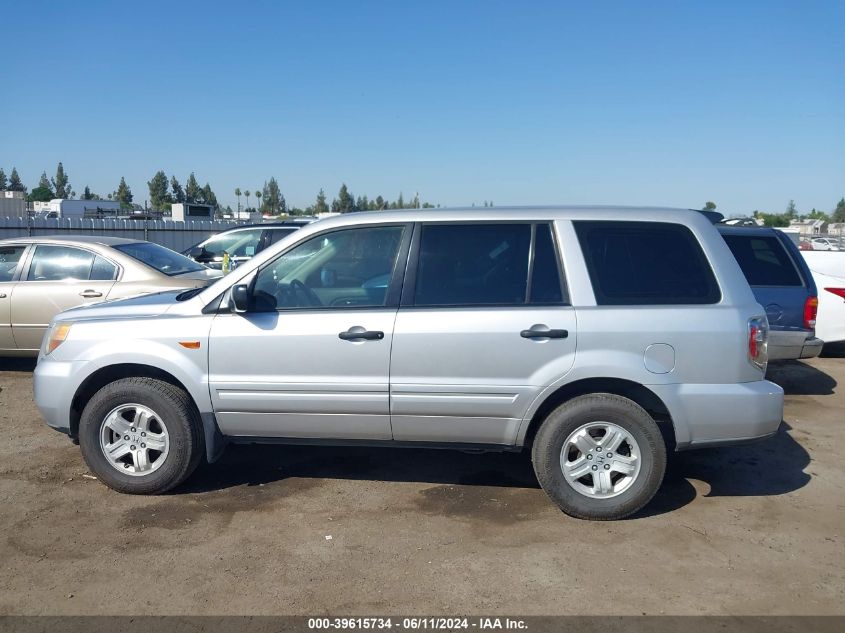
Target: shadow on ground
x,y
772,467
17,364
800,379
834,350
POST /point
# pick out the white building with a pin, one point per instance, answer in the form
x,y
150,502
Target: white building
x,y
60,208
181,211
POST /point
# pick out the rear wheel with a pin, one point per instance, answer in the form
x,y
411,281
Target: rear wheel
x,y
599,456
141,435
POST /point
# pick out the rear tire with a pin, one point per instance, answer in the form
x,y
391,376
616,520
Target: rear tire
x,y
141,435
599,456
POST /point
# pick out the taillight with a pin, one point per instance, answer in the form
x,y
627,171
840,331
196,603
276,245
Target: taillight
x,y
839,292
758,342
811,309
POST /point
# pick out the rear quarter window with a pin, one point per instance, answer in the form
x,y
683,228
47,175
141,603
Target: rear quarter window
x,y
646,263
764,260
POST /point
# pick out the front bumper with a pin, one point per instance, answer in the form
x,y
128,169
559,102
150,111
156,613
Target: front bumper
x,y
717,415
791,345
54,389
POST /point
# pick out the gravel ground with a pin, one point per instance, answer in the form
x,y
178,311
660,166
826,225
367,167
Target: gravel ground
x,y
310,530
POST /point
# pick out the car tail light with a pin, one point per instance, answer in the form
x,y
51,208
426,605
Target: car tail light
x,y
758,342
839,292
811,309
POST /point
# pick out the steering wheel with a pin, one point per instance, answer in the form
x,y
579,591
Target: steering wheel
x,y
310,296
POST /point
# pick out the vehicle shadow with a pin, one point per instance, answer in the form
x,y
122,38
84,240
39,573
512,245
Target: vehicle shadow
x,y
18,364
729,472
801,379
774,466
834,350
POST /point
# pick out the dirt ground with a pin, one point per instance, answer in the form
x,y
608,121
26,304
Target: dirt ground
x,y
746,530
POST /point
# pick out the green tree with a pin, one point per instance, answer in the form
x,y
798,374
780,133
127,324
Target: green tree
x,y
815,214
838,214
208,196
159,196
193,191
176,188
44,183
123,194
238,194
246,193
3,180
40,194
791,211
15,183
345,201
272,197
258,200
709,206
321,206
380,203
61,183
86,194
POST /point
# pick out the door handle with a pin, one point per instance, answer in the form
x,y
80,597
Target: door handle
x,y
544,333
358,333
2,295
90,294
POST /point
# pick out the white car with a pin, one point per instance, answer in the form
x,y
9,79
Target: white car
x,y
828,270
824,244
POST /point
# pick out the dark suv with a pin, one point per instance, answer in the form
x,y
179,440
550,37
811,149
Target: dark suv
x,y
782,284
242,242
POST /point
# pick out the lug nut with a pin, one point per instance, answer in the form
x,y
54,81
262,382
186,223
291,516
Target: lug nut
x,y
132,429
589,456
143,434
126,437
132,447
610,454
595,467
607,466
143,445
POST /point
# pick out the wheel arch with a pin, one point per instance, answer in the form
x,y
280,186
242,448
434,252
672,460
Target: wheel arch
x,y
634,391
104,375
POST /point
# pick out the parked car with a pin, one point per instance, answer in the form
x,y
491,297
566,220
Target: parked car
x,y
40,277
828,271
782,284
242,243
596,338
824,244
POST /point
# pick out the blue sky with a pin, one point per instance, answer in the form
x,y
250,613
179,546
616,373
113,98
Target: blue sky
x,y
666,103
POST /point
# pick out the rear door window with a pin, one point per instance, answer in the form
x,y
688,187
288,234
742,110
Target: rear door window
x,y
764,260
10,256
473,264
646,263
56,263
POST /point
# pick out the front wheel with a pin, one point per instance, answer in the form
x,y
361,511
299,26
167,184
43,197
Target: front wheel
x,y
141,435
599,456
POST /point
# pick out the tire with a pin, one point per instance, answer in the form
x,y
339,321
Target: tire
x,y
632,476
146,410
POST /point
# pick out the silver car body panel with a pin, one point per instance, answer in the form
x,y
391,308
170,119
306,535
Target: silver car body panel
x,y
448,375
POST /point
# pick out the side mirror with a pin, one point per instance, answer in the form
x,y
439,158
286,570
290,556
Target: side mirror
x,y
198,253
240,298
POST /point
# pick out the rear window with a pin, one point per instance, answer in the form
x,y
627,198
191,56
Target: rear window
x,y
763,260
646,263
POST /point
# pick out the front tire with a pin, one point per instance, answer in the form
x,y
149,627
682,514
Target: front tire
x,y
599,457
141,435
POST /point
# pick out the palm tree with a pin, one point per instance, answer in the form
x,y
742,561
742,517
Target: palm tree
x,y
238,194
246,193
258,198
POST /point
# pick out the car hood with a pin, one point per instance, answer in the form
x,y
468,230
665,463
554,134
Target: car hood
x,y
147,305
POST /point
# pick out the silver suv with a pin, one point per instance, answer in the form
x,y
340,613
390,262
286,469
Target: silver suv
x,y
596,338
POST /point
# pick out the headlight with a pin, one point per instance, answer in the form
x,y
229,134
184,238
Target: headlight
x,y
57,336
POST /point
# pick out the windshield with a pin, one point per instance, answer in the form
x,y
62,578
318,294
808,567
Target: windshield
x,y
162,259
